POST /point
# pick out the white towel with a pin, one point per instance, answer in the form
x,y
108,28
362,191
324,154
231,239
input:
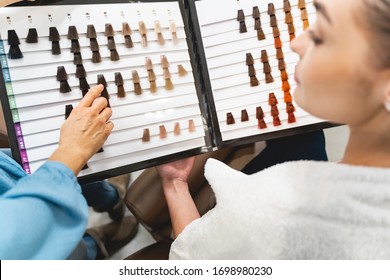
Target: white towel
x,y
296,210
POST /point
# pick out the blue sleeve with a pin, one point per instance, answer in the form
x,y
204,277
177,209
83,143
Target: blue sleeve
x,y
43,216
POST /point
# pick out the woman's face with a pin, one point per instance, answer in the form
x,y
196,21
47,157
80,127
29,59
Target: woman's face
x,y
335,77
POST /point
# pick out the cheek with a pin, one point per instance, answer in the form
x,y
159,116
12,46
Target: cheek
x,y
329,90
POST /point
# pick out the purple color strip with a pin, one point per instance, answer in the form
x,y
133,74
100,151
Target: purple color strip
x,y
22,148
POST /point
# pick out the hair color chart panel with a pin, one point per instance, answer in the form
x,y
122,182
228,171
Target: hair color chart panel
x,y
51,55
251,65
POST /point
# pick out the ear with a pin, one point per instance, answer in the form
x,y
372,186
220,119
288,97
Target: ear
x,y
382,88
386,96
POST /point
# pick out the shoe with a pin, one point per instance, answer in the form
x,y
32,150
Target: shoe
x,y
113,236
120,183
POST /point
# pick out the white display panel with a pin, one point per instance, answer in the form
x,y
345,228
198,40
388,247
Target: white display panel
x,y
226,48
38,107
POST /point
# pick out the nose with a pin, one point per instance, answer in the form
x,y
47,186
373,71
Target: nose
x,y
300,44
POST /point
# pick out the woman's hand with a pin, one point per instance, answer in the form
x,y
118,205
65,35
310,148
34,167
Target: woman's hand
x,y
178,170
85,131
182,209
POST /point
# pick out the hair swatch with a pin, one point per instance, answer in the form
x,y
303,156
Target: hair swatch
x,y
84,86
143,32
54,38
287,97
136,83
146,135
93,43
13,41
91,31
166,73
241,20
275,115
101,80
260,117
157,30
230,119
126,32
72,33
68,110
304,14
286,6
151,75
181,70
119,83
62,77
266,67
77,58
191,126
173,30
249,61
256,17
272,100
176,129
80,71
260,34
244,116
32,36
290,109
163,132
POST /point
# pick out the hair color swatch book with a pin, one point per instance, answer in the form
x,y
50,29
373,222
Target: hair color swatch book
x,y
148,56
250,62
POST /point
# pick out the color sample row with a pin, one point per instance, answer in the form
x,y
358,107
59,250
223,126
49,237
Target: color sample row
x,y
81,74
73,35
273,102
163,131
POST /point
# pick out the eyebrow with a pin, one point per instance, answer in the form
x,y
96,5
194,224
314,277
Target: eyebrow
x,y
322,10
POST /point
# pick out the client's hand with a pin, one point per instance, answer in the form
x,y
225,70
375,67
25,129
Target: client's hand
x,y
182,209
85,131
177,170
